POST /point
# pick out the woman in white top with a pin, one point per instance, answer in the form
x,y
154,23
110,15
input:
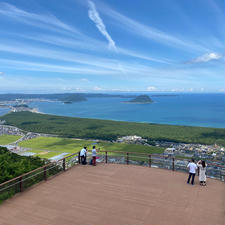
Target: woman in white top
x,y
202,170
94,154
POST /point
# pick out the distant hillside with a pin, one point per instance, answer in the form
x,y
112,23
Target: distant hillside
x,y
64,97
141,99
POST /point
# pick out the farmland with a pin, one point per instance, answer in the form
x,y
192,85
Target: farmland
x,y
47,147
7,139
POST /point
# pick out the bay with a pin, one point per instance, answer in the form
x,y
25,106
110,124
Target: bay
x,y
3,111
206,110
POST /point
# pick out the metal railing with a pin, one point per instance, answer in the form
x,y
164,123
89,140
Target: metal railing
x,y
20,183
214,169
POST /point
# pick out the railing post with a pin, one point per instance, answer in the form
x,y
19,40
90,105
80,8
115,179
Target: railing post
x,y
64,164
149,160
79,157
173,167
127,158
21,184
45,173
106,157
222,176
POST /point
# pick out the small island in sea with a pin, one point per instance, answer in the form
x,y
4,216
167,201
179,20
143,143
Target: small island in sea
x,y
141,99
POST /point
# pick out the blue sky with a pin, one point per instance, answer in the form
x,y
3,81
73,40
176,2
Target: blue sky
x,y
112,45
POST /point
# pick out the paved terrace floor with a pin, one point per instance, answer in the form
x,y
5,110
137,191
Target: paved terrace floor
x,y
117,195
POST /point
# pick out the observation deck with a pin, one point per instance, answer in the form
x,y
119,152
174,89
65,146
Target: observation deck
x,y
112,194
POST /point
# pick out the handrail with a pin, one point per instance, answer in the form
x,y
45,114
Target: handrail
x,y
153,154
127,159
25,174
157,155
39,168
124,153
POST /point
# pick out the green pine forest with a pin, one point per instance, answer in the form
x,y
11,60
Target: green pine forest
x,y
110,130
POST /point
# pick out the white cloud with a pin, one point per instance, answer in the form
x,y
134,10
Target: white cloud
x,y
150,32
2,75
84,80
221,90
84,61
177,90
96,88
46,21
91,44
74,57
207,57
151,88
30,66
94,16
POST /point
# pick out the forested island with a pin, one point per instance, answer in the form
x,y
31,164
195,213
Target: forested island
x,y
141,99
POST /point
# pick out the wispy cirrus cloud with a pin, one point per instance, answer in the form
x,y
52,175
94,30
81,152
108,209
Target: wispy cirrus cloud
x,y
150,32
46,21
63,56
44,67
94,16
92,44
206,58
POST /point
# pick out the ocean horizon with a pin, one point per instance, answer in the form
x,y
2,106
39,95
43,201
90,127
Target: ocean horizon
x,y
204,110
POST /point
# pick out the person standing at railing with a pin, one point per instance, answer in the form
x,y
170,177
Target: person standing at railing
x,y
94,155
202,170
192,167
83,155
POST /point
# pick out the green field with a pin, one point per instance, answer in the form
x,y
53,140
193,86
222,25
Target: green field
x,y
111,130
7,139
47,147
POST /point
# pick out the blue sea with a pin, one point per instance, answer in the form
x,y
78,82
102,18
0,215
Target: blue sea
x,y
206,110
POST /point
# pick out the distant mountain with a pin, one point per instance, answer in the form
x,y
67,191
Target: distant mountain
x,y
141,99
21,105
165,95
64,97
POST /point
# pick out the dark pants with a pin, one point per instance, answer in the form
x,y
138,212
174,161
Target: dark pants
x,y
193,178
94,160
83,159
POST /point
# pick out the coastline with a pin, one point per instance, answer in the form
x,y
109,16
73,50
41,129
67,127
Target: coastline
x,y
186,110
117,120
110,130
12,109
140,103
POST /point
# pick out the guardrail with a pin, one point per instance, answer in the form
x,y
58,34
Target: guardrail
x,y
20,183
214,169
